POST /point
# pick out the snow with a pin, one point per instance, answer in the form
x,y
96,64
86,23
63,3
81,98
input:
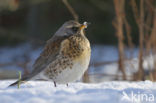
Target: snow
x,y
95,92
106,92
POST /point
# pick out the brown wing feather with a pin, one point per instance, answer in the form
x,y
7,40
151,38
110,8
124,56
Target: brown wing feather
x,y
48,55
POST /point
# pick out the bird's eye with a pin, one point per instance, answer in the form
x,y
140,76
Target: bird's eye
x,y
75,29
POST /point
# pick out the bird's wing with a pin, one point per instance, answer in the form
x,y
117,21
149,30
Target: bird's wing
x,y
48,55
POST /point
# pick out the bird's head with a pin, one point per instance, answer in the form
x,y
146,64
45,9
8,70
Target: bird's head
x,y
71,27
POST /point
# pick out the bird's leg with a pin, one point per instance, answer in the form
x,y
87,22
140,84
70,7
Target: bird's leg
x,y
67,84
54,83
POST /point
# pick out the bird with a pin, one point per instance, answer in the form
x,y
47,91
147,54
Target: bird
x,y
64,58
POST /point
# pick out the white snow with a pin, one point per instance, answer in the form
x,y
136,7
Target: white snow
x,y
106,92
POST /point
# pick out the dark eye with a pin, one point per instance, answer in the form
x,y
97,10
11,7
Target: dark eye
x,y
75,29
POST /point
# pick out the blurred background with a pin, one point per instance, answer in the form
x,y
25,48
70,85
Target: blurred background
x,y
122,35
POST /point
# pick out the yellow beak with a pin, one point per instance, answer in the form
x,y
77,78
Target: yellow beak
x,y
83,26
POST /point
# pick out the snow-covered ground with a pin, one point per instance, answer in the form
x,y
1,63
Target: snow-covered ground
x,y
106,92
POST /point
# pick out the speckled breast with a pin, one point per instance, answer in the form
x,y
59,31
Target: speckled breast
x,y
72,62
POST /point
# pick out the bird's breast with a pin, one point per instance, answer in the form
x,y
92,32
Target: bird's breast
x,y
80,57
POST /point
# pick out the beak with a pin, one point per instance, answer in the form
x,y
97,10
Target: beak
x,y
84,25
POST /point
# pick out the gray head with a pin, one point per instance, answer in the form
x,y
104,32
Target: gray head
x,y
70,28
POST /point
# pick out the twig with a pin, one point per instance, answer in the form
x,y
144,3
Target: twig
x,y
148,28
129,37
135,11
71,10
139,18
141,45
153,35
85,78
119,10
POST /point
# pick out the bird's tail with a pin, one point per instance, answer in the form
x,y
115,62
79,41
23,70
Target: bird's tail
x,y
24,79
